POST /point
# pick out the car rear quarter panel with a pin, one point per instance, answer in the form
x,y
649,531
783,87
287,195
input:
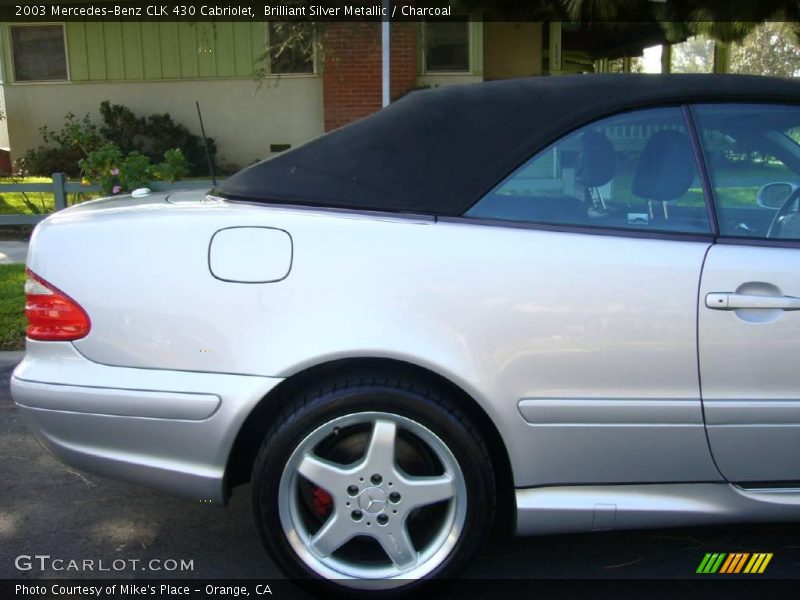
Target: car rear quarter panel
x,y
506,314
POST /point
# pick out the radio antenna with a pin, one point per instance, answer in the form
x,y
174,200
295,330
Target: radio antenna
x,y
205,145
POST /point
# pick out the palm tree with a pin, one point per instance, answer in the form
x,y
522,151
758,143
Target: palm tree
x,y
720,20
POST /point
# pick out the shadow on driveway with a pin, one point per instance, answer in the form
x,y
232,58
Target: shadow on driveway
x,y
49,508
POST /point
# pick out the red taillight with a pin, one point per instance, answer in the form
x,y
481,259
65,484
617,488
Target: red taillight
x,y
52,315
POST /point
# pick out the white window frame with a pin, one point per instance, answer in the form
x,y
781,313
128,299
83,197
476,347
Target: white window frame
x,y
470,50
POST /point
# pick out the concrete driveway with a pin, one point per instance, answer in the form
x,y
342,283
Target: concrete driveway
x,y
13,252
49,508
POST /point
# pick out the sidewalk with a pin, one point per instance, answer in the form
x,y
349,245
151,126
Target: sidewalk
x,y
10,359
13,252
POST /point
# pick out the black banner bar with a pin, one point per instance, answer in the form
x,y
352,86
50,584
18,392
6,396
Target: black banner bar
x,y
705,587
32,11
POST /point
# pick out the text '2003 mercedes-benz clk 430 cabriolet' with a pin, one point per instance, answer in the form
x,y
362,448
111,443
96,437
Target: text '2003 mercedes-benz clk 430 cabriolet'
x,y
570,302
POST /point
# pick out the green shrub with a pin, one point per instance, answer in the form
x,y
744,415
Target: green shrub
x,y
118,123
135,172
45,160
102,166
63,148
116,172
152,137
174,167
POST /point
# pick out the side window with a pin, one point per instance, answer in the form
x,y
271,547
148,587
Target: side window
x,y
39,53
447,45
753,159
632,171
291,48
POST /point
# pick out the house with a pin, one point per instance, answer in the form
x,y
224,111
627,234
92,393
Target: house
x,y
47,70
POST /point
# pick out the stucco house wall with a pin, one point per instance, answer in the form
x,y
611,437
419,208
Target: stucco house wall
x,y
166,67
154,67
243,118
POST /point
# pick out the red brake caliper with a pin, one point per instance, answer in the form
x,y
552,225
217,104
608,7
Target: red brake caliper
x,y
322,502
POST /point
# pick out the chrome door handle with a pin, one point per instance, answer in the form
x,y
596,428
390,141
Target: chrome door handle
x,y
732,301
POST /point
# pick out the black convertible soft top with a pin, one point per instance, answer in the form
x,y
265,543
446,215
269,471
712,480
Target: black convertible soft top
x,y
438,151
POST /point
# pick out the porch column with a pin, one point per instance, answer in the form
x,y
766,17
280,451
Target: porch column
x,y
554,51
666,58
386,57
722,57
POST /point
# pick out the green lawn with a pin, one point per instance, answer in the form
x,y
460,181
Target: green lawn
x,y
14,202
12,307
33,203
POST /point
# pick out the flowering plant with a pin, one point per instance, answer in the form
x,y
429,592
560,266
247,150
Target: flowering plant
x,y
118,173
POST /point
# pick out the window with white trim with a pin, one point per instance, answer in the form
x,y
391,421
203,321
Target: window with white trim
x,y
447,46
291,48
39,53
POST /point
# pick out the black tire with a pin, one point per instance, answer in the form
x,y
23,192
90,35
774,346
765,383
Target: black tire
x,y
389,398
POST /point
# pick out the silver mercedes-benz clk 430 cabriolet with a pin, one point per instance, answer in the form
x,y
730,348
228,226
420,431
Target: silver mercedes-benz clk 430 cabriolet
x,y
567,303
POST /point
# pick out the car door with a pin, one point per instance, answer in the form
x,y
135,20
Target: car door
x,y
749,322
599,354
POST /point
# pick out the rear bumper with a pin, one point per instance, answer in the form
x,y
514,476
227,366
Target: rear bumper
x,y
168,430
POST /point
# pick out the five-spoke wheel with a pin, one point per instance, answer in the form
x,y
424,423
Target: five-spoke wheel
x,y
373,484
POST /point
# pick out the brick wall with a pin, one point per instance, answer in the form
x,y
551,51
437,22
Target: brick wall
x,y
352,69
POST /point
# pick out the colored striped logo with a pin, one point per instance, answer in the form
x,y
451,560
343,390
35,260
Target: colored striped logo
x,y
735,562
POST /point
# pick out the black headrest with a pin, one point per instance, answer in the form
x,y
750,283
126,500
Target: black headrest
x,y
598,160
666,167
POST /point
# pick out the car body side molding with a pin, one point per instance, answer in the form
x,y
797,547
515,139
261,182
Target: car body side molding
x,y
580,508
